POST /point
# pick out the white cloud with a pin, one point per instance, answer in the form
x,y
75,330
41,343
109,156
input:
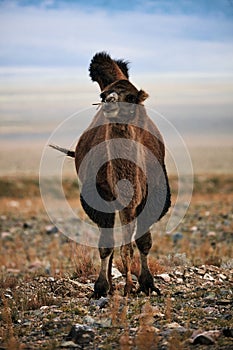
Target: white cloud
x,y
39,40
153,42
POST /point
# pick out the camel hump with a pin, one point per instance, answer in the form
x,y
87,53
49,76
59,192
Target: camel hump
x,y
105,70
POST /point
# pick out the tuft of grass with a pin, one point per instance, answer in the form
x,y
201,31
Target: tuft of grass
x,y
175,341
9,338
146,337
168,309
84,259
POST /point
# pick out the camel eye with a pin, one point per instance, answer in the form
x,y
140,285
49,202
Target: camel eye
x,y
130,98
113,97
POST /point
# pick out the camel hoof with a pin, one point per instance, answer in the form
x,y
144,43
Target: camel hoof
x,y
101,288
146,283
129,289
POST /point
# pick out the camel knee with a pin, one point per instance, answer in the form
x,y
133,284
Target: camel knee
x,y
105,252
144,243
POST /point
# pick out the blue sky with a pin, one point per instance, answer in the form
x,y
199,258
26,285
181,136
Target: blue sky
x,y
156,35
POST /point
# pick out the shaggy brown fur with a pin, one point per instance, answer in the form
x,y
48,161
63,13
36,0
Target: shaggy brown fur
x,y
122,118
131,123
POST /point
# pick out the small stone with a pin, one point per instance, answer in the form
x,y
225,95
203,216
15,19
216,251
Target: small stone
x,y
176,237
104,322
179,280
44,307
134,278
50,229
6,235
178,273
89,320
201,271
81,334
173,325
224,302
209,310
203,339
165,277
51,279
101,303
228,332
69,344
223,277
116,273
208,277
9,296
211,296
27,225
211,234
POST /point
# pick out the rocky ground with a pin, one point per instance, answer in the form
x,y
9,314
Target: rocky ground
x,y
46,280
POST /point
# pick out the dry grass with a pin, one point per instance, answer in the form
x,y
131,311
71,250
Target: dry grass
x,y
39,271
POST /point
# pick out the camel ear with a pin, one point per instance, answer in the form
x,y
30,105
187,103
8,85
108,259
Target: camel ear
x,y
142,96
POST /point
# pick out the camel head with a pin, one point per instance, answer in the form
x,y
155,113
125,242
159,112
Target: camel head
x,y
118,94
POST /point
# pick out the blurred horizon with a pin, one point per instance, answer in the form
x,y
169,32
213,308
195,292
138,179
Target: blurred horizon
x,y
180,52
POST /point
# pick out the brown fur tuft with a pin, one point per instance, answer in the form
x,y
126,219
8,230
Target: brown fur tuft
x,y
105,71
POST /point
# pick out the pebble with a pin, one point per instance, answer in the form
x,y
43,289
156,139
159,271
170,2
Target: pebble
x,y
81,334
99,323
89,320
201,271
205,338
179,280
27,225
173,325
101,303
69,344
228,332
176,237
211,234
116,273
202,339
165,277
50,229
209,310
208,277
6,235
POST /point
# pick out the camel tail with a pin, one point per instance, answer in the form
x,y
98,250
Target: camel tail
x,y
63,150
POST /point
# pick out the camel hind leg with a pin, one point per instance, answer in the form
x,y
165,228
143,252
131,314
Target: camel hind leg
x,y
146,280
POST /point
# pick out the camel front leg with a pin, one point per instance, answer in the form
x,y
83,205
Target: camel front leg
x,y
126,256
103,284
128,230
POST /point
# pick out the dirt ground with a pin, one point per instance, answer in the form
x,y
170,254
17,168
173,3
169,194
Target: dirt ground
x,y
46,280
